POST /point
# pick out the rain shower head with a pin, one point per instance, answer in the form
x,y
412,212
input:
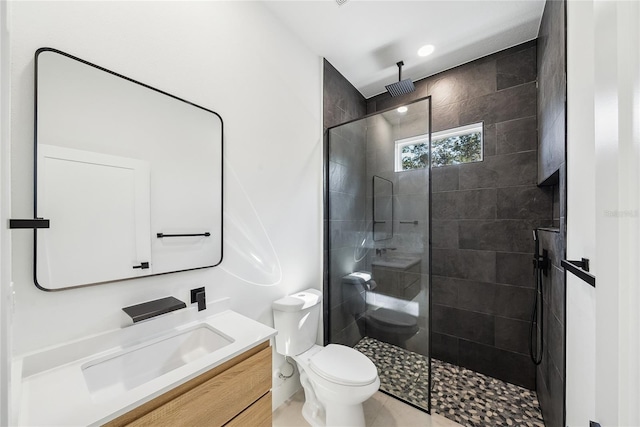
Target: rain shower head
x,y
402,87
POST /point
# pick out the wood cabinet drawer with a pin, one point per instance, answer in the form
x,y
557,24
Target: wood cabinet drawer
x,y
212,399
257,415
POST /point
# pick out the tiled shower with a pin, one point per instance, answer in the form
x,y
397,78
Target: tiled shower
x,y
483,217
478,278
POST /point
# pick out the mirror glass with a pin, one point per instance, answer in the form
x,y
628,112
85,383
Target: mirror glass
x,y
130,177
382,208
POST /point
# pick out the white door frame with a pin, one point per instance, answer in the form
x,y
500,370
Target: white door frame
x,y
603,192
5,209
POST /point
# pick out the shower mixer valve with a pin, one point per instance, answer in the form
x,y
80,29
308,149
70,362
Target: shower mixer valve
x,y
541,262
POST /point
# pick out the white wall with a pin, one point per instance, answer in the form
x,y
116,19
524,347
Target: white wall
x,y
581,214
603,154
231,57
5,234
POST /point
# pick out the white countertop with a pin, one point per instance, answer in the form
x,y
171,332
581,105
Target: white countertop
x,y
50,389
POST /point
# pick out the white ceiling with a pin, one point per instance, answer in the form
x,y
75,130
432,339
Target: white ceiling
x,y
364,39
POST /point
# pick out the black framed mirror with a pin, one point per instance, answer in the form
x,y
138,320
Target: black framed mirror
x,y
129,176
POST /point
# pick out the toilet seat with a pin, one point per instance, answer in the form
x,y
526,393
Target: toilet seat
x,y
343,365
393,320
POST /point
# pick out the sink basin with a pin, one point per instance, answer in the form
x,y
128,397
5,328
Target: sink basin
x,y
401,262
115,374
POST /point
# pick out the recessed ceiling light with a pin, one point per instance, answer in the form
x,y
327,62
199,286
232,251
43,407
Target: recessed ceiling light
x,y
402,109
426,50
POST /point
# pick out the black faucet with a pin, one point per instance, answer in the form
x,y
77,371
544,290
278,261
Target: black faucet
x,y
383,251
198,295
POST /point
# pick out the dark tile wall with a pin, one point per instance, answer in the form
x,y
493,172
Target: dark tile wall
x,y
345,195
483,214
341,101
550,373
552,170
552,88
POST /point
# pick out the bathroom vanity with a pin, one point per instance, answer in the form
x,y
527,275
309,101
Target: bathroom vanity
x,y
236,393
397,276
180,369
125,197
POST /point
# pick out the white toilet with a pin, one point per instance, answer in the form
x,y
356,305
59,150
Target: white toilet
x,y
336,379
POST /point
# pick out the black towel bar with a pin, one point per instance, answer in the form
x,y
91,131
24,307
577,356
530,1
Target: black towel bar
x,y
163,235
29,223
580,269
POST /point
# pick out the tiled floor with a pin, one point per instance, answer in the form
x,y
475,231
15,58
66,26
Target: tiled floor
x,y
477,400
402,373
464,396
379,411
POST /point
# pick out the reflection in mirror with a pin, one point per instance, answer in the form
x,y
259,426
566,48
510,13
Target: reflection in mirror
x,y
130,177
382,208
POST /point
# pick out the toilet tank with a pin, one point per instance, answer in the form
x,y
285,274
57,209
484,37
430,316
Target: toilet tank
x,y
296,318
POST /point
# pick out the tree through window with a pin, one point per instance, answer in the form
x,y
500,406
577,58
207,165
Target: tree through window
x,y
450,147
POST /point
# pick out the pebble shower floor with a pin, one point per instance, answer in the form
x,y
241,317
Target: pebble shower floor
x,y
464,396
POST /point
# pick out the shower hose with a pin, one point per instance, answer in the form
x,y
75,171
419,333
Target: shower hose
x,y
537,313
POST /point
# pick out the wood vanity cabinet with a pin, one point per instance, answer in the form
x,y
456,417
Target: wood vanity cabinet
x,y
236,393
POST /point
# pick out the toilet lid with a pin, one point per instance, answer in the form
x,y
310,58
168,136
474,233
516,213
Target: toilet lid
x,y
385,316
343,365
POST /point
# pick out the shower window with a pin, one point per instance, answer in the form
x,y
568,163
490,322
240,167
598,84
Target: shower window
x,y
459,145
450,147
412,153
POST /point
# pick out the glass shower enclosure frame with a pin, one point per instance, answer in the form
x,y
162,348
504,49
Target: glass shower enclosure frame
x,y
378,245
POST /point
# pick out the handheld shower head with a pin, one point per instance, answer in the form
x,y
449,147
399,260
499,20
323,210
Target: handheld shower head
x,y
402,87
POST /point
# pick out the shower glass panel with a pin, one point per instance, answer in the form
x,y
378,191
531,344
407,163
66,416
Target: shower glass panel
x,y
379,223
382,209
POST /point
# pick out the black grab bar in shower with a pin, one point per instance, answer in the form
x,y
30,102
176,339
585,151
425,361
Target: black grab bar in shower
x,y
580,269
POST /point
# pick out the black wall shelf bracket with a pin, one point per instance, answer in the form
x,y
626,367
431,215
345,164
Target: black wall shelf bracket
x,y
163,235
29,223
580,269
